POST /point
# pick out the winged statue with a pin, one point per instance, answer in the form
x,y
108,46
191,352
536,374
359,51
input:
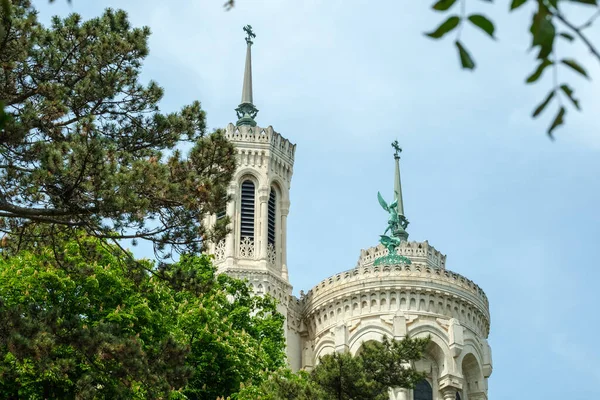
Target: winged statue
x,y
396,224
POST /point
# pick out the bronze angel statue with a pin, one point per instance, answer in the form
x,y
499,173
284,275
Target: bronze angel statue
x,y
396,225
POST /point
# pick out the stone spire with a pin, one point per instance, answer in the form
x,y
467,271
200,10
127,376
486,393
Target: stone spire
x,y
246,111
403,222
397,183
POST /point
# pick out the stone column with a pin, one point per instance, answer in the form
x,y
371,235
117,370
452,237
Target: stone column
x,y
449,393
230,238
263,198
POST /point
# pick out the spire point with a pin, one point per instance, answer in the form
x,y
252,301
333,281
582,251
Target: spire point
x,y
246,111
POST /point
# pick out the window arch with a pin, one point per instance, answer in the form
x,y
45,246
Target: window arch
x,y
247,211
272,215
423,391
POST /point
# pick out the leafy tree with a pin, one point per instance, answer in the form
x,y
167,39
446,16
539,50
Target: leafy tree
x,y
86,329
234,338
340,376
84,145
88,323
284,385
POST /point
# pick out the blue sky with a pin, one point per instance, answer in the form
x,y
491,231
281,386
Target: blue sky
x,y
515,212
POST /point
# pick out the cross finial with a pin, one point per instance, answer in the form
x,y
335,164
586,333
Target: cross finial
x,y
251,35
397,149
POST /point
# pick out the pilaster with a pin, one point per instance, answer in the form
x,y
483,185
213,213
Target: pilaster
x,y
263,198
341,338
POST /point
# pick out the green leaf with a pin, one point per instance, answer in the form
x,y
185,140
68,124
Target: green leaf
x,y
516,4
569,92
543,104
445,27
575,66
543,33
558,120
465,58
483,23
567,36
591,2
539,70
443,5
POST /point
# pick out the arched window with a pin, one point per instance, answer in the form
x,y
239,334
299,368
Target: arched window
x,y
423,391
247,212
458,396
272,215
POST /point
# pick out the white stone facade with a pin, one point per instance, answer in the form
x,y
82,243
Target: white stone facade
x,y
364,303
342,312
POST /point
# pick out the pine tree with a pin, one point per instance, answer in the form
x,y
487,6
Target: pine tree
x,y
85,146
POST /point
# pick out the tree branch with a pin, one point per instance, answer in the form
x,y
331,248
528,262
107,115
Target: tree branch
x,y
578,32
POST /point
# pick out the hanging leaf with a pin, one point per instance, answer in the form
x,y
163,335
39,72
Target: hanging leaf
x,y
443,5
445,27
483,23
543,104
569,92
575,66
516,4
465,58
567,36
558,120
591,2
538,71
543,33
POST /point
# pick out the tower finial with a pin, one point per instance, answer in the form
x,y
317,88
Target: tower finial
x,y
397,222
246,111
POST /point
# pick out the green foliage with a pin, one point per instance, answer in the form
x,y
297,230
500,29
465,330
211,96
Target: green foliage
x,y
340,376
284,385
90,322
465,58
83,143
546,19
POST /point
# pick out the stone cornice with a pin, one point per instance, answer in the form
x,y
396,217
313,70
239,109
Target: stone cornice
x,y
235,271
279,145
408,277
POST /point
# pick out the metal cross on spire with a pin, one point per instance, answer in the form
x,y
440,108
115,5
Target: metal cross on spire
x,y
246,111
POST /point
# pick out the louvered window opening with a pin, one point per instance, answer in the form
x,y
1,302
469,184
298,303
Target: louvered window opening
x,y
247,214
272,211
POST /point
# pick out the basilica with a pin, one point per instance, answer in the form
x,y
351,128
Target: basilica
x,y
396,288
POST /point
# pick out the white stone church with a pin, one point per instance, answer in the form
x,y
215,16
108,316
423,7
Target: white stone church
x,y
418,297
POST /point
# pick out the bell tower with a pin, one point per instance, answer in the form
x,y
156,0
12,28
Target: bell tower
x,y
255,249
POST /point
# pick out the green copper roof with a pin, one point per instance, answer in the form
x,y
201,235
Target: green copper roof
x,y
246,111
